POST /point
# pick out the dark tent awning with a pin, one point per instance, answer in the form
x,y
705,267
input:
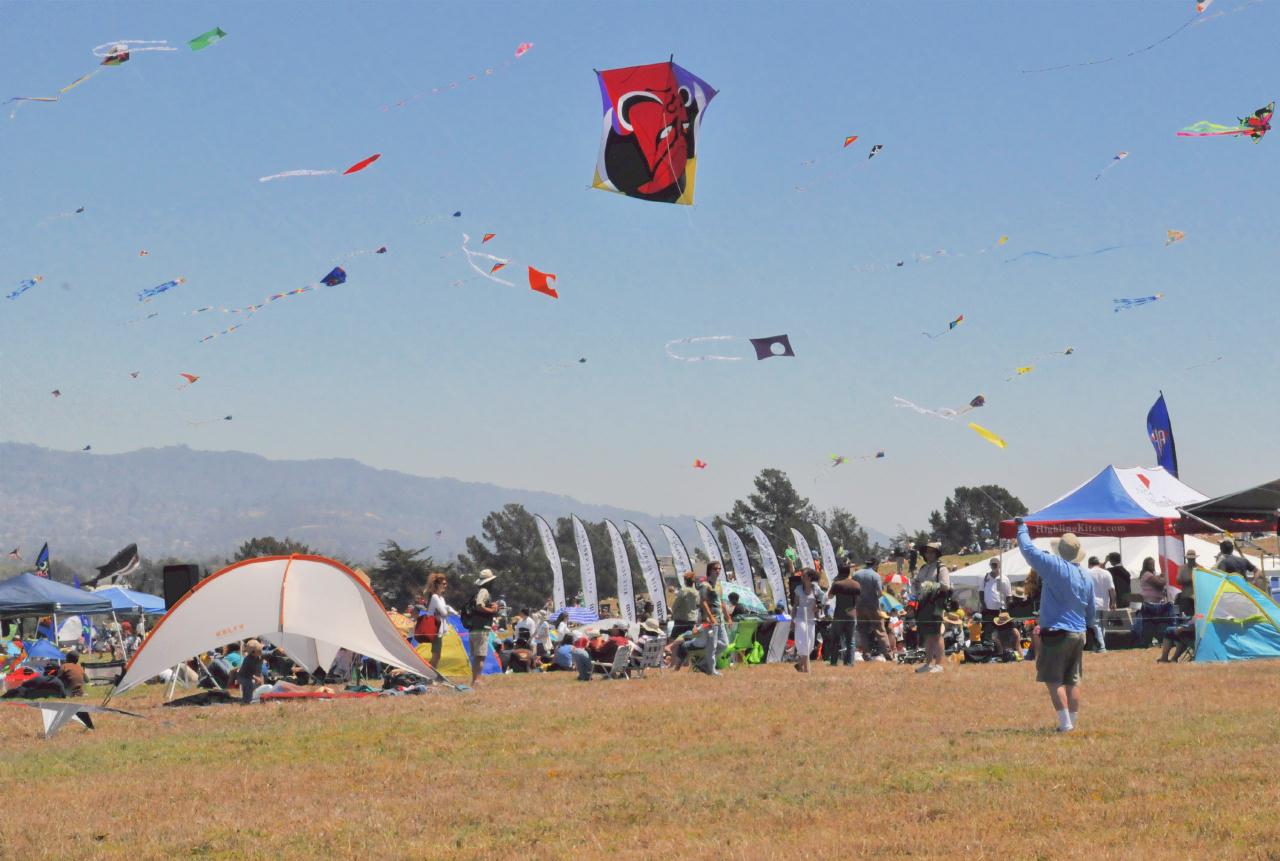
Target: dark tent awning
x,y
29,595
1253,509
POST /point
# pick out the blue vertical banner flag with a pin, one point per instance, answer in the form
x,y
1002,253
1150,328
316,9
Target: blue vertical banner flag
x,y
42,562
1160,431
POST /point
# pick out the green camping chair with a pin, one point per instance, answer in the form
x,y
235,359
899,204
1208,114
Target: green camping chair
x,y
740,643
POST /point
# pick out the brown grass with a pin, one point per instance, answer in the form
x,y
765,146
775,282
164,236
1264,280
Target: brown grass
x,y
1170,762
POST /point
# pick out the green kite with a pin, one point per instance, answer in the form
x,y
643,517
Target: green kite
x,y
204,40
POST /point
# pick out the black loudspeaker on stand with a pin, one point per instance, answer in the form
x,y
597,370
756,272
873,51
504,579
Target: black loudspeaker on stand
x,y
178,581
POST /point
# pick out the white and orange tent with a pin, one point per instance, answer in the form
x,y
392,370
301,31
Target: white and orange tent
x,y
310,605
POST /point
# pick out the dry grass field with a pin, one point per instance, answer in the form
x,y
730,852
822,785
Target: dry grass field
x,y
1170,762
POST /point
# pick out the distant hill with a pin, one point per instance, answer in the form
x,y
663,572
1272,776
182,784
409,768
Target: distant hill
x,y
176,501
877,537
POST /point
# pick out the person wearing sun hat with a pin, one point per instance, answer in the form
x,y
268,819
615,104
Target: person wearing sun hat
x,y
1005,637
932,587
478,619
1066,611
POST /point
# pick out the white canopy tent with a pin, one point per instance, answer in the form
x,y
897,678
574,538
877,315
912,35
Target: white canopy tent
x,y
967,581
309,605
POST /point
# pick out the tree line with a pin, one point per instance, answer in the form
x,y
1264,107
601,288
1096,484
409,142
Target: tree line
x,y
508,543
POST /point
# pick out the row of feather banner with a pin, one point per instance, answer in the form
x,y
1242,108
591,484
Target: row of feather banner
x,y
739,575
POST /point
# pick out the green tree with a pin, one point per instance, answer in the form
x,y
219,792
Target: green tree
x,y
846,534
906,540
970,510
509,545
400,575
269,546
776,507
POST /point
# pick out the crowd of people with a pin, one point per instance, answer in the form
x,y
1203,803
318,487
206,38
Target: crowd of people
x,y
1053,616
860,615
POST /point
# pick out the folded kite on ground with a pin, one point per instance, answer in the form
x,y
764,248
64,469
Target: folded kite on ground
x,y
58,713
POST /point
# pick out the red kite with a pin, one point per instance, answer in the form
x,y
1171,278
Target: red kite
x,y
538,282
361,165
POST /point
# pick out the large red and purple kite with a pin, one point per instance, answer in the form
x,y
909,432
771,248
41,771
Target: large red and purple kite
x,y
650,125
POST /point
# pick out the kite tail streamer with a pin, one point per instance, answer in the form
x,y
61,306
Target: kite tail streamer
x,y
703,339
472,255
289,173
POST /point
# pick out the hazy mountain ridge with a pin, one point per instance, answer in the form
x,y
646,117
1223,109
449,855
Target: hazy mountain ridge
x,y
176,501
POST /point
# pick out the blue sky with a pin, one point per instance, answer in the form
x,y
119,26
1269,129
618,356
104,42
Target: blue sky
x,y
404,371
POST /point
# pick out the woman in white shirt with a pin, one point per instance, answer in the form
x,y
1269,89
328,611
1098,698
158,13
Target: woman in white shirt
x,y
438,610
542,635
807,599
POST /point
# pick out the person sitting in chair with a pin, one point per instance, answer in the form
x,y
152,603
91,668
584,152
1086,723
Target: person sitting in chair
x,y
1005,637
1180,637
679,648
1156,613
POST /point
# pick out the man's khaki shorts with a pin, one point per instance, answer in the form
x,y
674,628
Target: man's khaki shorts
x,y
1060,660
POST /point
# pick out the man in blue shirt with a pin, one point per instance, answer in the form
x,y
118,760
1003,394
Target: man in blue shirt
x,y
1066,609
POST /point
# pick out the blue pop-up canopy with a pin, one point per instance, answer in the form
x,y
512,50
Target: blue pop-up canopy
x,y
128,601
1118,502
29,595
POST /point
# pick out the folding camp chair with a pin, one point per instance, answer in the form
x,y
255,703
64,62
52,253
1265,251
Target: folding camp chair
x,y
650,656
744,637
619,668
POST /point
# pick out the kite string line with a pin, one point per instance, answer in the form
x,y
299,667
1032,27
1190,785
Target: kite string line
x,y
1133,53
452,85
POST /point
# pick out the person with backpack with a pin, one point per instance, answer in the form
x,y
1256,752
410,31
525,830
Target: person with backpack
x,y
478,618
